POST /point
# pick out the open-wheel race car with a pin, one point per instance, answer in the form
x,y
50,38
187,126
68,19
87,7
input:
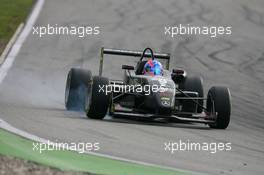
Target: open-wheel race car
x,y
172,96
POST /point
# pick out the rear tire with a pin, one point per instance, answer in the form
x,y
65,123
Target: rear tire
x,y
222,104
194,84
97,106
78,81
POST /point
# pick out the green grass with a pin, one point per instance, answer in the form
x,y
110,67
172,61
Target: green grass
x,y
12,13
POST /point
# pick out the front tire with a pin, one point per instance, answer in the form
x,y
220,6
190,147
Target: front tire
x,y
97,106
219,98
194,84
78,81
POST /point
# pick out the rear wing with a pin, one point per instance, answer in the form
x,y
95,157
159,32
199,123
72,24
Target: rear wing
x,y
163,56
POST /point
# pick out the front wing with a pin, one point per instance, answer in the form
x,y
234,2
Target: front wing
x,y
206,118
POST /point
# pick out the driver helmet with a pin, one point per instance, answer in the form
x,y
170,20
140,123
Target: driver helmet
x,y
153,67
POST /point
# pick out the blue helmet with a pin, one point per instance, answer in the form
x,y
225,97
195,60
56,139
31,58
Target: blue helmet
x,y
153,67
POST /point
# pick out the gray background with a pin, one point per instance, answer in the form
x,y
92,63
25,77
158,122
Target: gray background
x,y
32,95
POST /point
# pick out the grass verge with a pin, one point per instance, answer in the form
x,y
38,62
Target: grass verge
x,y
13,145
12,13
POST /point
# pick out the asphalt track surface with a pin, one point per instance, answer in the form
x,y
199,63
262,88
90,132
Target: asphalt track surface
x,y
32,94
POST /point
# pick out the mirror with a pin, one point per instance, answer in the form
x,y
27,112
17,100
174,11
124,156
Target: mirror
x,y
128,67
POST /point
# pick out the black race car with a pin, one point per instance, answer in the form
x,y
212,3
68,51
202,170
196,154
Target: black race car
x,y
174,96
